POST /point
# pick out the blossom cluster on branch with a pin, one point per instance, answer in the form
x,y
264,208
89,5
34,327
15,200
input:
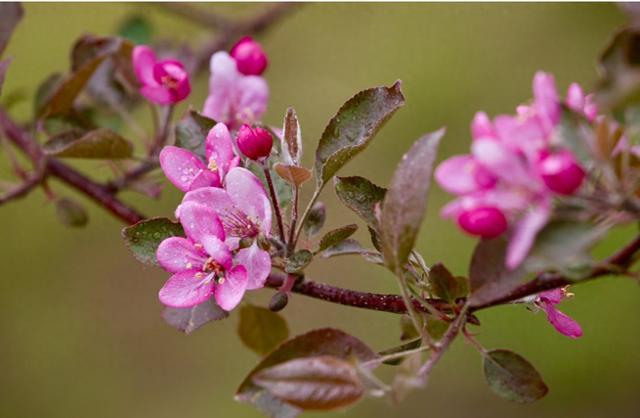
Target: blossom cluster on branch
x,y
538,189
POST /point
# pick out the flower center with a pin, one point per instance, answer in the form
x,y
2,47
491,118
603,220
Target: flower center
x,y
169,81
238,224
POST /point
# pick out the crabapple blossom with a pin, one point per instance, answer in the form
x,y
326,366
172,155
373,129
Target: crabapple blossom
x,y
234,98
188,172
565,325
202,264
244,211
255,143
514,169
162,81
250,57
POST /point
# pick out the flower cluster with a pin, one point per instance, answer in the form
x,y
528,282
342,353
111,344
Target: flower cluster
x,y
515,169
225,209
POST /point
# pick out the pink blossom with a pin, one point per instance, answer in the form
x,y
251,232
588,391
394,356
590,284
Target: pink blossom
x,y
163,82
202,264
244,211
188,172
561,322
513,171
250,57
255,143
234,98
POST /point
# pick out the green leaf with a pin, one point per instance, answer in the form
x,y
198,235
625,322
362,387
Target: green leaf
x,y
71,213
144,237
97,144
413,344
406,200
291,138
313,383
352,247
445,285
361,196
320,342
512,377
336,236
436,328
261,329
315,220
353,127
188,320
137,29
10,16
45,90
408,330
298,261
191,132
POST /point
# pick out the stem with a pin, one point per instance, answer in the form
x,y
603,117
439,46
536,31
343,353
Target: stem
x,y
413,314
276,204
400,354
294,218
441,347
305,214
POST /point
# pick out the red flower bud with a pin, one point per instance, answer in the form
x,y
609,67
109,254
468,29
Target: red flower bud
x,y
561,172
250,57
255,143
486,222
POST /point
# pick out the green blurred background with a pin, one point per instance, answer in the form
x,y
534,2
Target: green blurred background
x,y
80,327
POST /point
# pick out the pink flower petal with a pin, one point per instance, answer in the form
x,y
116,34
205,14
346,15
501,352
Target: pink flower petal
x,y
248,195
222,88
157,94
462,174
500,161
219,149
525,233
218,251
184,169
229,293
553,297
575,97
185,289
144,59
258,265
545,99
177,254
252,98
563,323
199,222
481,127
213,197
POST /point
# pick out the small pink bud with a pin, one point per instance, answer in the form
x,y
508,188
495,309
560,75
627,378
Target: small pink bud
x,y
255,143
250,57
486,222
561,173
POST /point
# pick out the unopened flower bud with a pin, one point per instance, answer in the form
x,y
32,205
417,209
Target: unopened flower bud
x,y
561,173
255,143
250,57
486,222
245,242
278,301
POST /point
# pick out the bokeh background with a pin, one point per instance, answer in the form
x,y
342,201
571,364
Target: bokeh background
x,y
80,327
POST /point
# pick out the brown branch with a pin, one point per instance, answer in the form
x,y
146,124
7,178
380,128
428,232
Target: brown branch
x,y
95,191
394,303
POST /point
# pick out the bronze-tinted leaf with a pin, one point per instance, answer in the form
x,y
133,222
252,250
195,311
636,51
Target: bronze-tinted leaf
x,y
191,132
353,127
292,138
261,329
297,262
10,15
321,342
97,144
71,213
292,173
406,200
445,285
512,377
315,220
313,383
